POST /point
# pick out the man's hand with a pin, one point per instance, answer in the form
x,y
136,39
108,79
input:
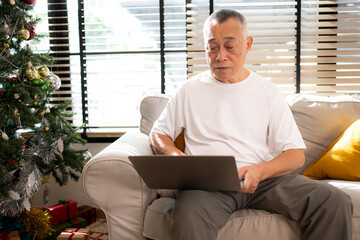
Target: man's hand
x,y
251,176
285,163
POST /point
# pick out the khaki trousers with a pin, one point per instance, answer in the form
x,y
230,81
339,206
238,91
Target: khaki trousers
x,y
323,211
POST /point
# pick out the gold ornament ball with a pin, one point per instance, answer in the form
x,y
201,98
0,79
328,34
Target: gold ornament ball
x,y
32,74
16,113
23,34
35,211
43,71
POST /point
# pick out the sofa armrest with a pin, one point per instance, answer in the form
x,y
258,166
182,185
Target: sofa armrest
x,y
111,182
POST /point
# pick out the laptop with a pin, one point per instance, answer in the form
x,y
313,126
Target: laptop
x,y
211,173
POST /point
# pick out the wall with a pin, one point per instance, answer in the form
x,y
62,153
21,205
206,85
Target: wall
x,y
73,190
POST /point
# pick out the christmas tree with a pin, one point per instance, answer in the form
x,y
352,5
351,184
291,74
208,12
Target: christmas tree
x,y
36,137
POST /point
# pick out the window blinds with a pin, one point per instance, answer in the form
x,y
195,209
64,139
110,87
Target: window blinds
x,y
330,46
59,46
59,49
328,43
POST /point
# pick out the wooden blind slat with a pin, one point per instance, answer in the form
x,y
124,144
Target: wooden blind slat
x,y
330,67
331,80
349,88
331,9
331,24
330,52
332,60
330,74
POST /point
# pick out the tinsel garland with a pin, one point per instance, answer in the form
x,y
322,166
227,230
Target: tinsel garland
x,y
33,224
27,183
37,223
30,178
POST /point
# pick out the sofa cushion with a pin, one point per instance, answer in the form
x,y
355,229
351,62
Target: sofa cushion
x,y
341,160
322,119
150,109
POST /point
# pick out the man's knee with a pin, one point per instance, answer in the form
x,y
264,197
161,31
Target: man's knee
x,y
191,202
334,198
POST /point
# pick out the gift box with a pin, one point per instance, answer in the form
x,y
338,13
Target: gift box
x,y
96,223
62,210
62,226
77,222
100,226
98,236
88,213
74,233
7,235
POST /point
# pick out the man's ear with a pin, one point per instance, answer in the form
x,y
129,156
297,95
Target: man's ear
x,y
249,41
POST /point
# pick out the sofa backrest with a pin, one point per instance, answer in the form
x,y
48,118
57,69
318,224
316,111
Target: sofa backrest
x,y
150,109
321,119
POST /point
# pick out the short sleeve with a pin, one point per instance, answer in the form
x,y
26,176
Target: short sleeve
x,y
283,134
170,121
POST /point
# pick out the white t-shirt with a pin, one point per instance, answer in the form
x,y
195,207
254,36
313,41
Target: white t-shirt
x,y
249,120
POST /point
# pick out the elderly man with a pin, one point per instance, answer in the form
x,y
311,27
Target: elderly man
x,y
230,110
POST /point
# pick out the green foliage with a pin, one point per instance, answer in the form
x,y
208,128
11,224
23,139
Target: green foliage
x,y
36,136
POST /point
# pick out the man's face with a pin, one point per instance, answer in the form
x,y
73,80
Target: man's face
x,y
226,48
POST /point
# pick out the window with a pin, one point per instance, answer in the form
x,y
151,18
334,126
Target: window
x,y
112,53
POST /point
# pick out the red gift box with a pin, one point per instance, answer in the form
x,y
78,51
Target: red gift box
x,y
7,235
89,213
62,210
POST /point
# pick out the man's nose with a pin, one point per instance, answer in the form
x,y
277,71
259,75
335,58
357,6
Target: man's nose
x,y
222,54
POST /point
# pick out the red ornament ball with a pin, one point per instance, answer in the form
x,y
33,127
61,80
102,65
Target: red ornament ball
x,y
30,26
31,2
32,33
2,93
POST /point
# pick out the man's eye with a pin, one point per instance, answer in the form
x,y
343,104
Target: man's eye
x,y
212,48
230,47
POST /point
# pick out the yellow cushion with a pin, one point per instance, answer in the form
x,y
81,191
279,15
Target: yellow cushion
x,y
180,141
341,160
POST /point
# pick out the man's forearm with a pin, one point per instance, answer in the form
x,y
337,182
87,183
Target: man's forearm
x,y
285,163
164,144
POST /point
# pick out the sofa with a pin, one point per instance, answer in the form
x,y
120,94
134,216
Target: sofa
x,y
134,211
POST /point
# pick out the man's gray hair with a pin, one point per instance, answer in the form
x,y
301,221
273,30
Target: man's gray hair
x,y
223,15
